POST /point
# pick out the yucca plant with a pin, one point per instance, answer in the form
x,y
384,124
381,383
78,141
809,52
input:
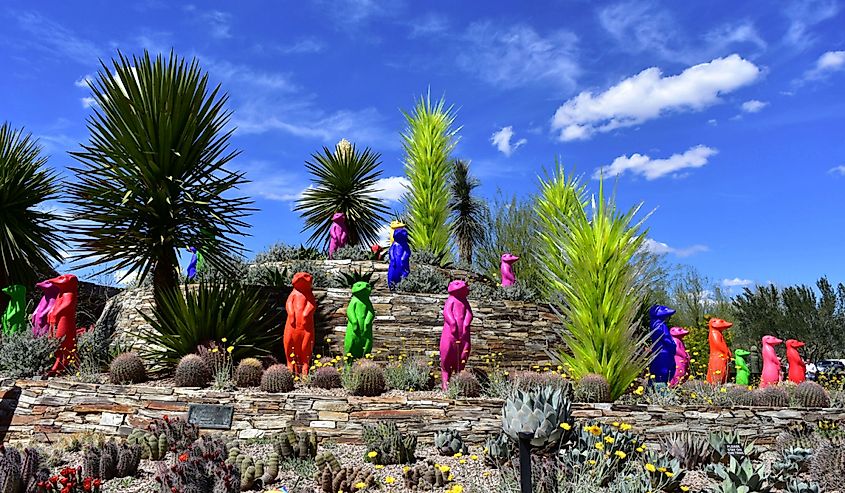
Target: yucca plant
x,y
467,211
28,236
155,174
428,141
230,314
601,287
345,180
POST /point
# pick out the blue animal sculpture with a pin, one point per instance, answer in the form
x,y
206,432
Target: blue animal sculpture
x,y
663,346
400,258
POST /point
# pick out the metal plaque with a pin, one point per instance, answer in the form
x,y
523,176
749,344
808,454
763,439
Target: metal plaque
x,y
214,416
735,450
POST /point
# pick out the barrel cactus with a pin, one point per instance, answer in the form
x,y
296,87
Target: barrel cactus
x,y
277,378
592,387
127,368
811,394
368,379
464,384
449,442
192,371
771,396
828,464
248,373
545,415
326,377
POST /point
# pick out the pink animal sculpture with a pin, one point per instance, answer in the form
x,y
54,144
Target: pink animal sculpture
x,y
338,233
772,373
682,358
40,322
797,367
506,267
63,321
455,339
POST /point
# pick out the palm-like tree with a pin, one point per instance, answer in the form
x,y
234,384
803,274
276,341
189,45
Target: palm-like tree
x,y
28,238
467,211
344,181
153,176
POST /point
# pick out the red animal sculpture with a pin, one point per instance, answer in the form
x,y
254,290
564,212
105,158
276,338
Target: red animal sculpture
x,y
62,319
772,373
797,367
299,327
720,355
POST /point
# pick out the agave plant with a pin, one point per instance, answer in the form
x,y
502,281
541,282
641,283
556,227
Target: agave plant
x,y
345,180
544,414
428,141
154,175
28,238
467,211
601,284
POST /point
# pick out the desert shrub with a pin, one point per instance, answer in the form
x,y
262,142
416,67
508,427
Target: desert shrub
x,y
352,253
93,350
320,278
424,279
428,257
520,291
409,374
24,355
281,252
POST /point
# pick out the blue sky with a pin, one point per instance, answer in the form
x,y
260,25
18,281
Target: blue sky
x,y
725,117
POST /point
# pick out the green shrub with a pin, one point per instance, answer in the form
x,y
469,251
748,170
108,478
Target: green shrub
x,y
354,253
409,374
24,355
424,279
430,258
319,277
281,252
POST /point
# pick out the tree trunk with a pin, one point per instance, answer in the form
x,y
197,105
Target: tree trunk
x,y
165,278
465,250
4,281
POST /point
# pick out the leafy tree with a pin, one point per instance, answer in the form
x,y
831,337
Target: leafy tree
x,y
428,141
344,181
154,174
467,211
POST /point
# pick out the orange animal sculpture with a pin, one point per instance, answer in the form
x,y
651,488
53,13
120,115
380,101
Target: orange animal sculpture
x,y
797,367
62,320
720,355
299,327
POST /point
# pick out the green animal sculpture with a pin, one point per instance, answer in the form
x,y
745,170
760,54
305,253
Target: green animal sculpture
x,y
14,318
742,373
359,328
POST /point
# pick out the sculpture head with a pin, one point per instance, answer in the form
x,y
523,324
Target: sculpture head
x,y
678,332
396,224
660,312
66,283
793,344
509,258
741,353
719,324
400,236
459,289
771,341
192,249
47,287
339,217
302,281
361,289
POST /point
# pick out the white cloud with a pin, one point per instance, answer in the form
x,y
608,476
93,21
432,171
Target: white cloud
x,y
429,25
88,102
303,46
84,81
55,40
736,282
355,125
831,61
270,181
753,106
803,15
651,169
123,278
838,170
391,189
649,95
660,248
218,24
517,55
502,141
384,235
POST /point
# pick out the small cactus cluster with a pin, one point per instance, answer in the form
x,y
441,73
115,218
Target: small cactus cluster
x,y
153,447
449,442
192,371
427,476
387,445
464,384
325,377
592,387
334,478
127,368
201,468
180,433
828,464
292,445
771,396
276,379
498,450
811,394
367,378
248,373
255,473
111,461
21,473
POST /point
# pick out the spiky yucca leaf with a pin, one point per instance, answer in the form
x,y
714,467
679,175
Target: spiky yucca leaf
x,y
28,239
467,211
601,289
344,181
428,141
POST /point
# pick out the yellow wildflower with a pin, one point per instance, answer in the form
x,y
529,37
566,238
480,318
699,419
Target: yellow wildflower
x,y
684,488
462,461
599,445
625,427
379,466
372,453
608,439
620,454
473,457
669,474
360,485
390,480
458,454
640,390
223,340
615,424
650,467
230,349
566,426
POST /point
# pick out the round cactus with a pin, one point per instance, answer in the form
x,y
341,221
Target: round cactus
x,y
368,379
326,377
248,373
127,368
811,394
276,379
192,371
771,396
592,387
465,384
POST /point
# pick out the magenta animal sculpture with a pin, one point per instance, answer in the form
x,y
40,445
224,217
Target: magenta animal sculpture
x,y
797,367
338,233
772,373
40,318
455,339
506,268
682,357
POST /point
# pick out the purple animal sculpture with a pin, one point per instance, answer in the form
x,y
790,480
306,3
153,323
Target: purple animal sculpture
x,y
455,339
772,373
682,358
508,276
338,233
40,322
